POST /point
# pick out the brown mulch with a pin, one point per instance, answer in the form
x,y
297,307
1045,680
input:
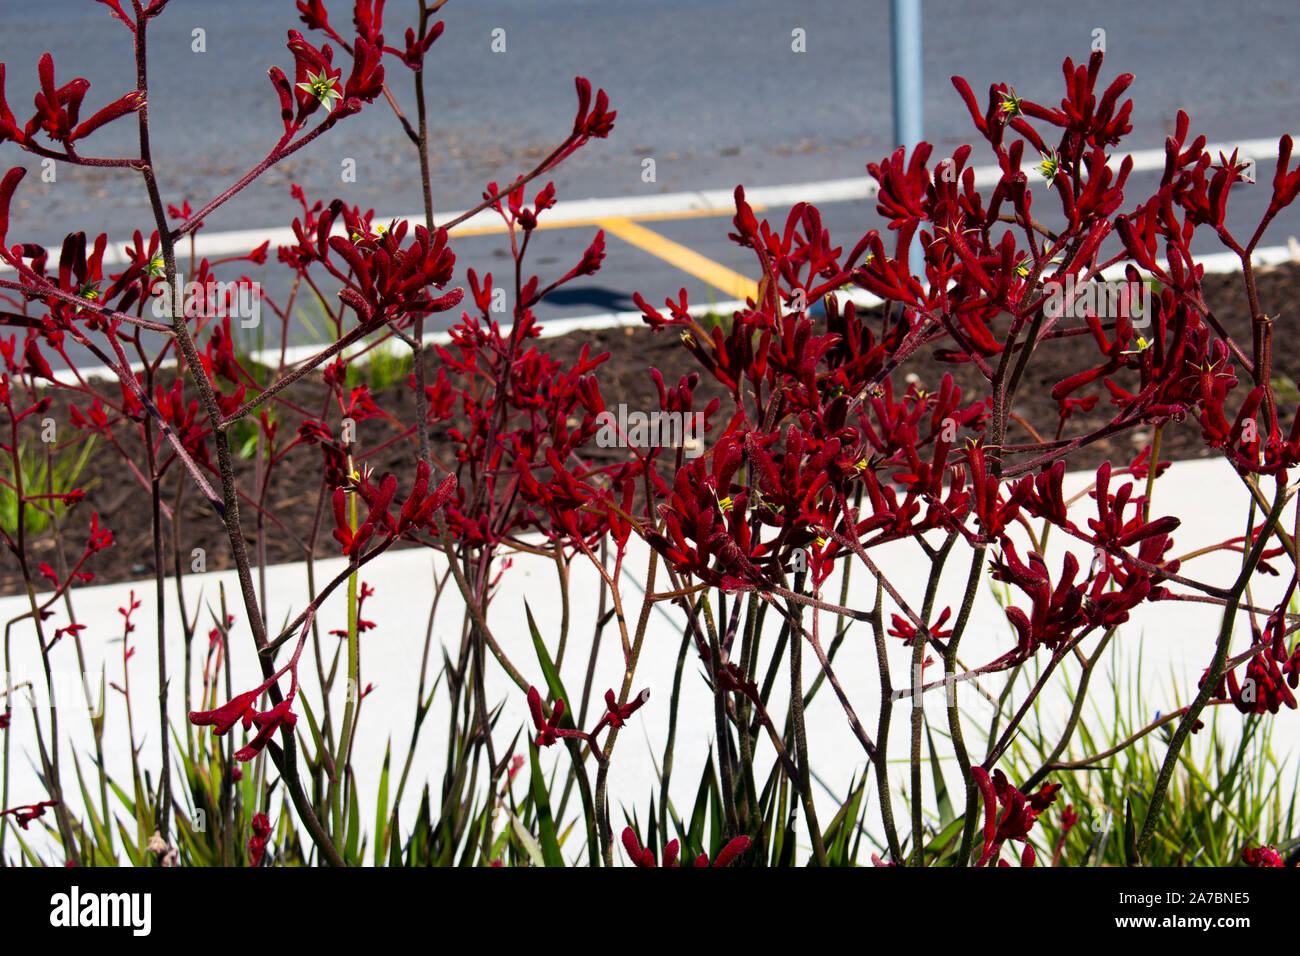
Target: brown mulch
x,y
122,501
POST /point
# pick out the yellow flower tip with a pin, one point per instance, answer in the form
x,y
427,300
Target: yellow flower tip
x,y
1050,166
1010,105
322,86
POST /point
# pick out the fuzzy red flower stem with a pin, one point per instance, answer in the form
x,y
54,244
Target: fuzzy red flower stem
x,y
288,765
467,594
800,733
523,180
421,142
765,721
973,580
358,332
800,631
818,603
122,370
1216,592
309,612
49,764
1261,329
998,429
918,708
53,291
1220,602
162,818
1113,428
1080,695
999,748
602,774
588,738
856,547
283,150
73,159
883,720
1216,670
914,340
996,666
1288,541
610,581
1086,762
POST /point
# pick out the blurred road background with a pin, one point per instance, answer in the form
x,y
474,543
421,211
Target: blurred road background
x,y
709,89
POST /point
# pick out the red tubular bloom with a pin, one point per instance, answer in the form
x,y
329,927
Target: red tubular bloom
x,y
616,715
24,815
311,62
58,109
731,852
7,187
1019,812
314,14
1286,183
284,90
644,856
99,538
639,855
130,103
242,708
261,827
902,628
416,48
269,722
8,125
367,79
597,121
1261,856
223,718
548,731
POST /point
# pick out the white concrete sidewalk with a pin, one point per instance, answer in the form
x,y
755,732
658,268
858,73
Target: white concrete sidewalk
x,y
1174,640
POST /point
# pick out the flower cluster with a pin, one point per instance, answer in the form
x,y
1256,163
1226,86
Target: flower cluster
x,y
645,857
242,708
24,815
1261,856
550,731
261,827
1009,815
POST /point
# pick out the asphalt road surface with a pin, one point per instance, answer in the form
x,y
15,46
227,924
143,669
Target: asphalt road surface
x,y
710,89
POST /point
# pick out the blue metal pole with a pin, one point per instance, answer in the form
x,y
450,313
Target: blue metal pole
x,y
905,22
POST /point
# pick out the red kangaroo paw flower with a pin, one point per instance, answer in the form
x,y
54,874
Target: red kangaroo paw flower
x,y
548,731
228,714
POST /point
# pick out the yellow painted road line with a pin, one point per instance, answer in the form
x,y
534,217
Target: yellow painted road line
x,y
688,260
500,227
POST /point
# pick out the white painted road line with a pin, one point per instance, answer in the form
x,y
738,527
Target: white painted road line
x,y
858,188
1220,262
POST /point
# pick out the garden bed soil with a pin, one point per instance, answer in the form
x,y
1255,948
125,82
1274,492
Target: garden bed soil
x,y
122,501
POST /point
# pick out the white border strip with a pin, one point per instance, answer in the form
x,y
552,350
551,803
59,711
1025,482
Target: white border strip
x,y
1219,262
237,242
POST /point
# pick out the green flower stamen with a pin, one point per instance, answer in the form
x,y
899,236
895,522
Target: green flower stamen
x,y
1049,167
1010,105
322,86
